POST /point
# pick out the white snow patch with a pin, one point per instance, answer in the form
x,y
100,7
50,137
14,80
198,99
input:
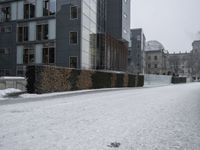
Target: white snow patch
x,y
12,78
7,91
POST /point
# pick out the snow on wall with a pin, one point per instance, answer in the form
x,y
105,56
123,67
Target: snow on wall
x,y
150,79
13,82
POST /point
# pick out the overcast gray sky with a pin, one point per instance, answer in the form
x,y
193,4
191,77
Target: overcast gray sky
x,y
175,23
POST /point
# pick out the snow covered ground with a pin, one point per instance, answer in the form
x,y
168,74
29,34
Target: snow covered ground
x,y
159,118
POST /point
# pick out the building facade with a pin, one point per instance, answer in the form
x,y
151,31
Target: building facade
x,y
136,54
195,60
180,64
156,58
118,19
55,32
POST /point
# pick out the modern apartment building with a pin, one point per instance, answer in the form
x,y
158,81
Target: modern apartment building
x,y
64,33
136,58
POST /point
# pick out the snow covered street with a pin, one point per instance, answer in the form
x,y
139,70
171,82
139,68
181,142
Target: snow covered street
x,y
159,118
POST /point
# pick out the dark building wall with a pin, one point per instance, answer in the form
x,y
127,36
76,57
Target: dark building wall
x,y
101,16
63,27
118,19
114,18
8,40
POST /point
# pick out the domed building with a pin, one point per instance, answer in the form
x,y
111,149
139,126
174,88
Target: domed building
x,y
156,58
153,45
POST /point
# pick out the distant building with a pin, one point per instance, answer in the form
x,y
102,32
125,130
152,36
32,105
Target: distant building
x,y
83,34
180,64
136,58
195,60
156,58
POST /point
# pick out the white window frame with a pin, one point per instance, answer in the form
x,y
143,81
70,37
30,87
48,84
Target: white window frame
x,y
71,12
70,38
77,61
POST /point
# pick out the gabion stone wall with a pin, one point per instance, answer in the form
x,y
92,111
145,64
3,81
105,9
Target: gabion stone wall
x,y
48,79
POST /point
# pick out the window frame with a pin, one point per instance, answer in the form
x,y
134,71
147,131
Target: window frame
x,y
30,51
70,38
29,16
42,32
23,33
48,8
70,61
48,52
5,17
71,12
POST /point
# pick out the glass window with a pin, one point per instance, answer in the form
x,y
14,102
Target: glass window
x,y
149,65
156,66
45,31
48,55
28,56
51,55
49,7
39,32
29,9
74,12
25,33
155,57
22,33
42,32
73,37
73,62
5,13
45,55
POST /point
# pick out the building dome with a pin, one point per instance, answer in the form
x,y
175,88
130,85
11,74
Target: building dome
x,y
153,46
